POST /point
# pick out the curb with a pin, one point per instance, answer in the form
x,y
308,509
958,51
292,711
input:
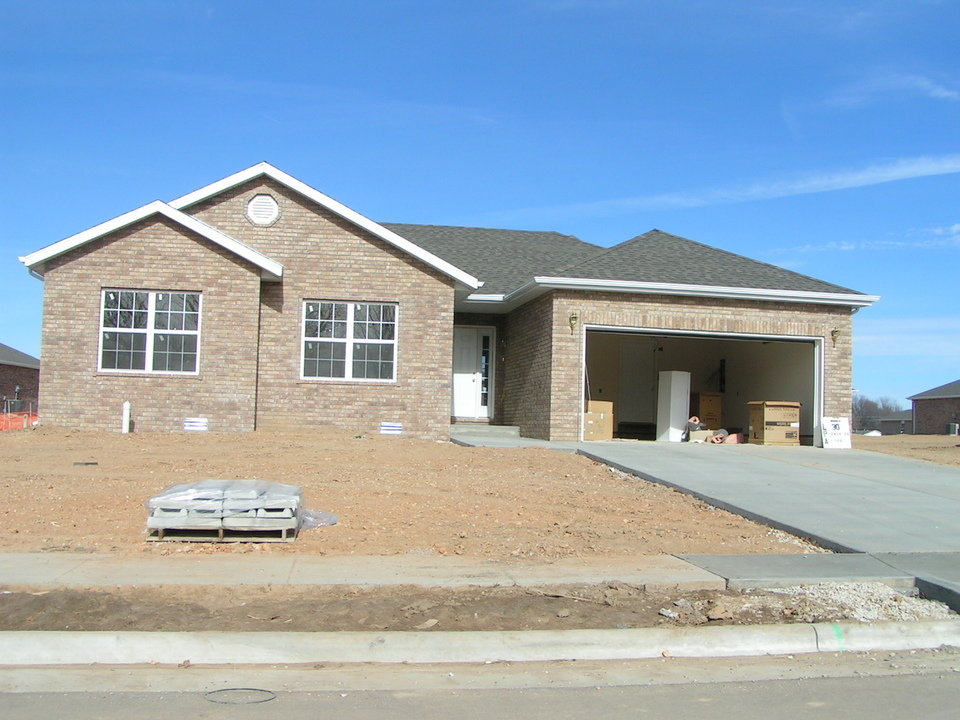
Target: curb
x,y
29,648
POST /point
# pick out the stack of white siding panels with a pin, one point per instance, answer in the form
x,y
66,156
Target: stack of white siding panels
x,y
225,510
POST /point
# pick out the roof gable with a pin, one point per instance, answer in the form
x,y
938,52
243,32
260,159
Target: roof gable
x,y
269,269
657,256
660,263
264,169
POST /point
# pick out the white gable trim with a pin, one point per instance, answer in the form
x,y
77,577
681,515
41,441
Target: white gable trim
x,y
540,285
269,269
388,236
739,293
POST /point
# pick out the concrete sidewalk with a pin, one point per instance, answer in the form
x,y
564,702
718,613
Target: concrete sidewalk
x,y
653,573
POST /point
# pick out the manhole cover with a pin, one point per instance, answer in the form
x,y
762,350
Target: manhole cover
x,y
239,696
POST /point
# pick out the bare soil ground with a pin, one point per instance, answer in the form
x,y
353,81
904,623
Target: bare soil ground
x,y
71,491
407,608
79,491
940,449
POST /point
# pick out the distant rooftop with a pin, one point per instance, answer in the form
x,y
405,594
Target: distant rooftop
x,y
950,390
10,356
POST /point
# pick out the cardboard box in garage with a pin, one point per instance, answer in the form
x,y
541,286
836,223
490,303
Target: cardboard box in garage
x,y
774,422
598,420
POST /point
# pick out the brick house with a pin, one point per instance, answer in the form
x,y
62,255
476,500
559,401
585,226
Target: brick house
x,y
257,301
19,379
935,409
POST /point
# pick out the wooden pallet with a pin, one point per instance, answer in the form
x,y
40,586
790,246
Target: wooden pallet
x,y
221,535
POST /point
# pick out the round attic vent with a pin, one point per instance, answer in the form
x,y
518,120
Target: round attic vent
x,y
263,209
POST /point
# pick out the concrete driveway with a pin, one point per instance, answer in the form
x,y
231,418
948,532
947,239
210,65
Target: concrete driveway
x,y
848,500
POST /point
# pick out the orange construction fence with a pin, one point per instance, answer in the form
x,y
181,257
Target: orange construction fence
x,y
18,420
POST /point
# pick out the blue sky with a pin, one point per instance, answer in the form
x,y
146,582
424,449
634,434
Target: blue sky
x,y
820,136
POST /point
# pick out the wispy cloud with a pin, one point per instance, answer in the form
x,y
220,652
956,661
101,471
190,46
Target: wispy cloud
x,y
282,97
890,171
843,18
558,5
933,239
902,337
948,230
893,85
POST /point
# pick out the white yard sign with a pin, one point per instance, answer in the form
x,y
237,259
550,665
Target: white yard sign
x,y
836,432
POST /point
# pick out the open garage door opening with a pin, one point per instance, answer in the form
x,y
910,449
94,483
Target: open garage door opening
x,y
623,366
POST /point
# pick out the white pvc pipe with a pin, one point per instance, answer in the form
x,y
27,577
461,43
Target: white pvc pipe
x,y
125,418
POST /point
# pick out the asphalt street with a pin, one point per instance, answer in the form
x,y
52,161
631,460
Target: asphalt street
x,y
930,695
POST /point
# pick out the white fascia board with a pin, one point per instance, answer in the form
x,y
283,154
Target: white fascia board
x,y
507,301
486,298
270,269
738,293
332,205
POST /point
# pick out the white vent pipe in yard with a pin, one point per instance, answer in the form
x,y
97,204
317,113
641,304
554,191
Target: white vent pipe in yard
x,y
125,418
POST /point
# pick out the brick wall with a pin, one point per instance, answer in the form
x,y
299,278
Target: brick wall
x,y
27,378
932,416
529,333
327,258
548,399
154,254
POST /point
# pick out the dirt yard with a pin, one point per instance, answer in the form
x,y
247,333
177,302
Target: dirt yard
x,y
406,608
940,449
69,491
76,491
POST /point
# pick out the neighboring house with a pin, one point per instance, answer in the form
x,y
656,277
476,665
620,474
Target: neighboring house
x,y
258,301
935,409
900,423
19,379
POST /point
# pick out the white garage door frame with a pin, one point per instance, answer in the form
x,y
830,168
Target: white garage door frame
x,y
818,361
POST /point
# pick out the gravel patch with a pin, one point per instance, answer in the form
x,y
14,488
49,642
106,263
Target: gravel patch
x,y
870,602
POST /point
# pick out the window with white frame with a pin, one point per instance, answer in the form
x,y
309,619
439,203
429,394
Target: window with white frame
x,y
349,341
150,331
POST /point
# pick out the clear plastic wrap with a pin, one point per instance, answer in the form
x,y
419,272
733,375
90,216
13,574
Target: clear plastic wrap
x,y
242,505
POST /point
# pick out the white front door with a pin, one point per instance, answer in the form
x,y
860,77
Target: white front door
x,y
472,372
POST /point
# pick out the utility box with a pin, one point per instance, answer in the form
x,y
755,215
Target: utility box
x,y
598,420
774,422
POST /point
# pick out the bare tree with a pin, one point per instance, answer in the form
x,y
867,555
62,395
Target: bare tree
x,y
868,412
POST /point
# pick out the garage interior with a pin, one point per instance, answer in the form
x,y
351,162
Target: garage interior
x,y
623,366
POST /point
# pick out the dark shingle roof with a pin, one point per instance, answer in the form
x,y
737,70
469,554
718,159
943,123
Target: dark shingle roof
x,y
504,259
660,257
9,356
950,390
